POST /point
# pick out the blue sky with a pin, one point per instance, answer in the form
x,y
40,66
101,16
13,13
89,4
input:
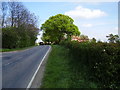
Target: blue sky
x,y
93,19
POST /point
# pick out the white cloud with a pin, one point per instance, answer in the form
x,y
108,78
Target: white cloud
x,y
81,12
87,25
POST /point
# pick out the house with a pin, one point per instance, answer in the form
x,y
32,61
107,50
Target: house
x,y
79,39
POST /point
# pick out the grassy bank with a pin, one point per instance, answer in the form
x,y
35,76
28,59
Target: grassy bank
x,y
15,49
61,71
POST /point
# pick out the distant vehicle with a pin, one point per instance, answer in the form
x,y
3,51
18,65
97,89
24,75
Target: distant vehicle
x,y
44,43
47,43
41,43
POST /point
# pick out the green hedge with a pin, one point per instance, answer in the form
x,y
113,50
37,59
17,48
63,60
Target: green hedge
x,y
102,60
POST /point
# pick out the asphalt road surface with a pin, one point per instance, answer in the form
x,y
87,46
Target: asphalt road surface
x,y
18,67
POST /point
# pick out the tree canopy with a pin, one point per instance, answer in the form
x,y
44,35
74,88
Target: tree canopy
x,y
84,37
19,26
57,27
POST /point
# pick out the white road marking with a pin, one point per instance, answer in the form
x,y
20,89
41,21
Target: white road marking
x,y
30,83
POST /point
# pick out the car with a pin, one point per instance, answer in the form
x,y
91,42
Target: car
x,y
41,43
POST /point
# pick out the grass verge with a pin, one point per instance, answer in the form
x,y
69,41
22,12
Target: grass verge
x,y
61,72
57,73
15,49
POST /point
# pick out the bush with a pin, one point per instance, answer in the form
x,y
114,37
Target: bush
x,y
13,37
9,38
102,60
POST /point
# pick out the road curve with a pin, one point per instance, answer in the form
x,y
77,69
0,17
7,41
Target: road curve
x,y
19,67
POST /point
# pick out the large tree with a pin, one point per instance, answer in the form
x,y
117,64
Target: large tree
x,y
19,26
84,37
4,12
56,27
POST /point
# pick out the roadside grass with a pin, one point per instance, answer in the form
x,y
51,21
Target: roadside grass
x,y
57,73
61,71
15,49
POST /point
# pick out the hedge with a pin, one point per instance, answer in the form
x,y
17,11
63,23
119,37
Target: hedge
x,y
102,60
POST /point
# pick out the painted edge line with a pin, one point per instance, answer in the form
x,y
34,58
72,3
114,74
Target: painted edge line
x,y
30,83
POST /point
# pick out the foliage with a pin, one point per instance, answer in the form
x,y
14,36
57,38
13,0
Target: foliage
x,y
18,26
93,40
113,38
13,37
84,37
9,37
102,60
56,27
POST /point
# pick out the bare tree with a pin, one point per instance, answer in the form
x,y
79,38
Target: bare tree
x,y
4,12
21,24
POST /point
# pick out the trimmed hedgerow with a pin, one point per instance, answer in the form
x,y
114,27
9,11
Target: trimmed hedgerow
x,y
101,59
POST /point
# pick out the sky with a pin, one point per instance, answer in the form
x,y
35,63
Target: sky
x,y
94,19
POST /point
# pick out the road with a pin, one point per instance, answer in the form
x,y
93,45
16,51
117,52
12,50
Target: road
x,y
19,67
